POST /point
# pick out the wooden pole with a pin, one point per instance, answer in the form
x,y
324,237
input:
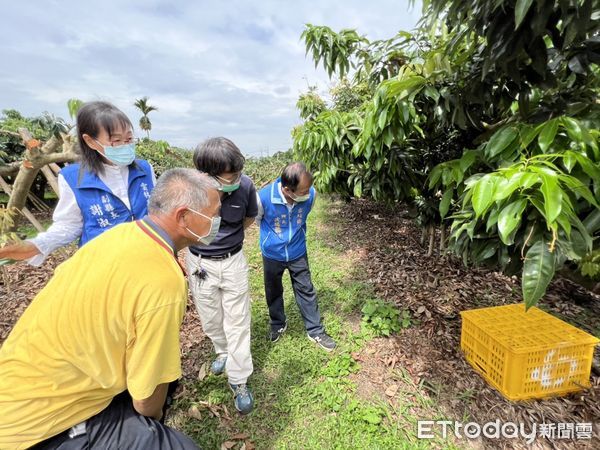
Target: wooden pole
x,y
52,181
55,168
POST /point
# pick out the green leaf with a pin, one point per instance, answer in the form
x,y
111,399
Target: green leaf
x,y
592,221
432,93
372,417
569,160
521,9
383,119
483,194
573,128
499,141
492,219
538,270
507,186
467,160
435,175
552,196
358,188
445,203
547,134
588,166
528,134
509,219
579,189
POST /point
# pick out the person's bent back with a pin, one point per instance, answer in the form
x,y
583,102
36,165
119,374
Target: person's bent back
x,y
107,322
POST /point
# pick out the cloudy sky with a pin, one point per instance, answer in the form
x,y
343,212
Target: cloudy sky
x,y
212,68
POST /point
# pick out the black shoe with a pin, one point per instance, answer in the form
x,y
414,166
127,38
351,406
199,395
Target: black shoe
x,y
324,340
275,335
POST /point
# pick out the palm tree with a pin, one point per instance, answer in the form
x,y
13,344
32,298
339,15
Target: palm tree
x,y
74,104
145,108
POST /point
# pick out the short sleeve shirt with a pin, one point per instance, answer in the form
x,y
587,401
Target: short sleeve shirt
x,y
103,323
236,206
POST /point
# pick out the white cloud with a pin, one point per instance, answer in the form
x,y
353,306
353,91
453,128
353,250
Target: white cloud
x,y
212,68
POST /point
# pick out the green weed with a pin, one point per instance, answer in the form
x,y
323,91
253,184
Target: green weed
x,y
383,319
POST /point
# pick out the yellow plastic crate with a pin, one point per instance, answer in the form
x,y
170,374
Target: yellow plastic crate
x,y
526,354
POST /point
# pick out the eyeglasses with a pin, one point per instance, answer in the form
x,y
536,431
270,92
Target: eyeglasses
x,y
118,142
226,181
200,214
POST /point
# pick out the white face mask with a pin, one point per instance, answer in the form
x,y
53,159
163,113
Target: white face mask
x,y
215,223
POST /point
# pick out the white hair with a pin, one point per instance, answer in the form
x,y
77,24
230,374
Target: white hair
x,y
180,187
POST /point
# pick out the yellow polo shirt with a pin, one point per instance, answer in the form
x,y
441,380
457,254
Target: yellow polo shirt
x,y
107,321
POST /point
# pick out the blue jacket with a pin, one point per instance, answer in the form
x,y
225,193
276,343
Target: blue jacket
x,y
100,208
283,232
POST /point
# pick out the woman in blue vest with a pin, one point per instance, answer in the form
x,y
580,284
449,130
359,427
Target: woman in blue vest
x,y
107,187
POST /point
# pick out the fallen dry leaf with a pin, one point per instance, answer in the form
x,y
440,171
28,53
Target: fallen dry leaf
x,y
194,412
202,372
391,391
214,411
240,436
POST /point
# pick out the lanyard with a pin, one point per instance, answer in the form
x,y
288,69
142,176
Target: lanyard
x,y
146,228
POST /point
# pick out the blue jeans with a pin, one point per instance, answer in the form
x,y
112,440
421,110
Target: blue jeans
x,y
304,291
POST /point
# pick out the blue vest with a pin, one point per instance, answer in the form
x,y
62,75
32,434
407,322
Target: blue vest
x,y
283,232
100,208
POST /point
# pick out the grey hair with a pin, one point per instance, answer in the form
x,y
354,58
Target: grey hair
x,y
180,187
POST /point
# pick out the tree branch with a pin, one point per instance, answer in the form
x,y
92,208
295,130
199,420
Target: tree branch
x,y
9,133
10,169
40,161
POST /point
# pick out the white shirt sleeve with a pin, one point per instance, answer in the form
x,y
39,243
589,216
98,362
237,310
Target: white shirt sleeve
x,y
153,174
66,227
261,211
67,219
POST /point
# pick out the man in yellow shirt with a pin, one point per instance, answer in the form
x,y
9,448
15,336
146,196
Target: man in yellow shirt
x,y
89,363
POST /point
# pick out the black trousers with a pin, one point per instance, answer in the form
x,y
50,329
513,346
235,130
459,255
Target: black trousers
x,y
304,291
119,426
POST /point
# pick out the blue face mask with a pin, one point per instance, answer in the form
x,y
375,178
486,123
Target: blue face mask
x,y
121,155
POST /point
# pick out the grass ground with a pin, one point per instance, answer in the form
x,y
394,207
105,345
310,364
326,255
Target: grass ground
x,y
305,397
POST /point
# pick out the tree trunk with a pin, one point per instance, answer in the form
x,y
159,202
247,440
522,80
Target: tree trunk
x,y
38,226
431,240
442,239
35,159
21,187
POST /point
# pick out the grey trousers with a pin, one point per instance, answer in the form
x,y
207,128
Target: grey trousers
x,y
119,426
304,291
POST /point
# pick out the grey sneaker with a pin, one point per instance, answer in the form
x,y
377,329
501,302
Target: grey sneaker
x,y
275,335
242,398
324,340
218,365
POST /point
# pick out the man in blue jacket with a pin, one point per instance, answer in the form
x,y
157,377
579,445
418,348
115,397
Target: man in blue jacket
x,y
283,208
